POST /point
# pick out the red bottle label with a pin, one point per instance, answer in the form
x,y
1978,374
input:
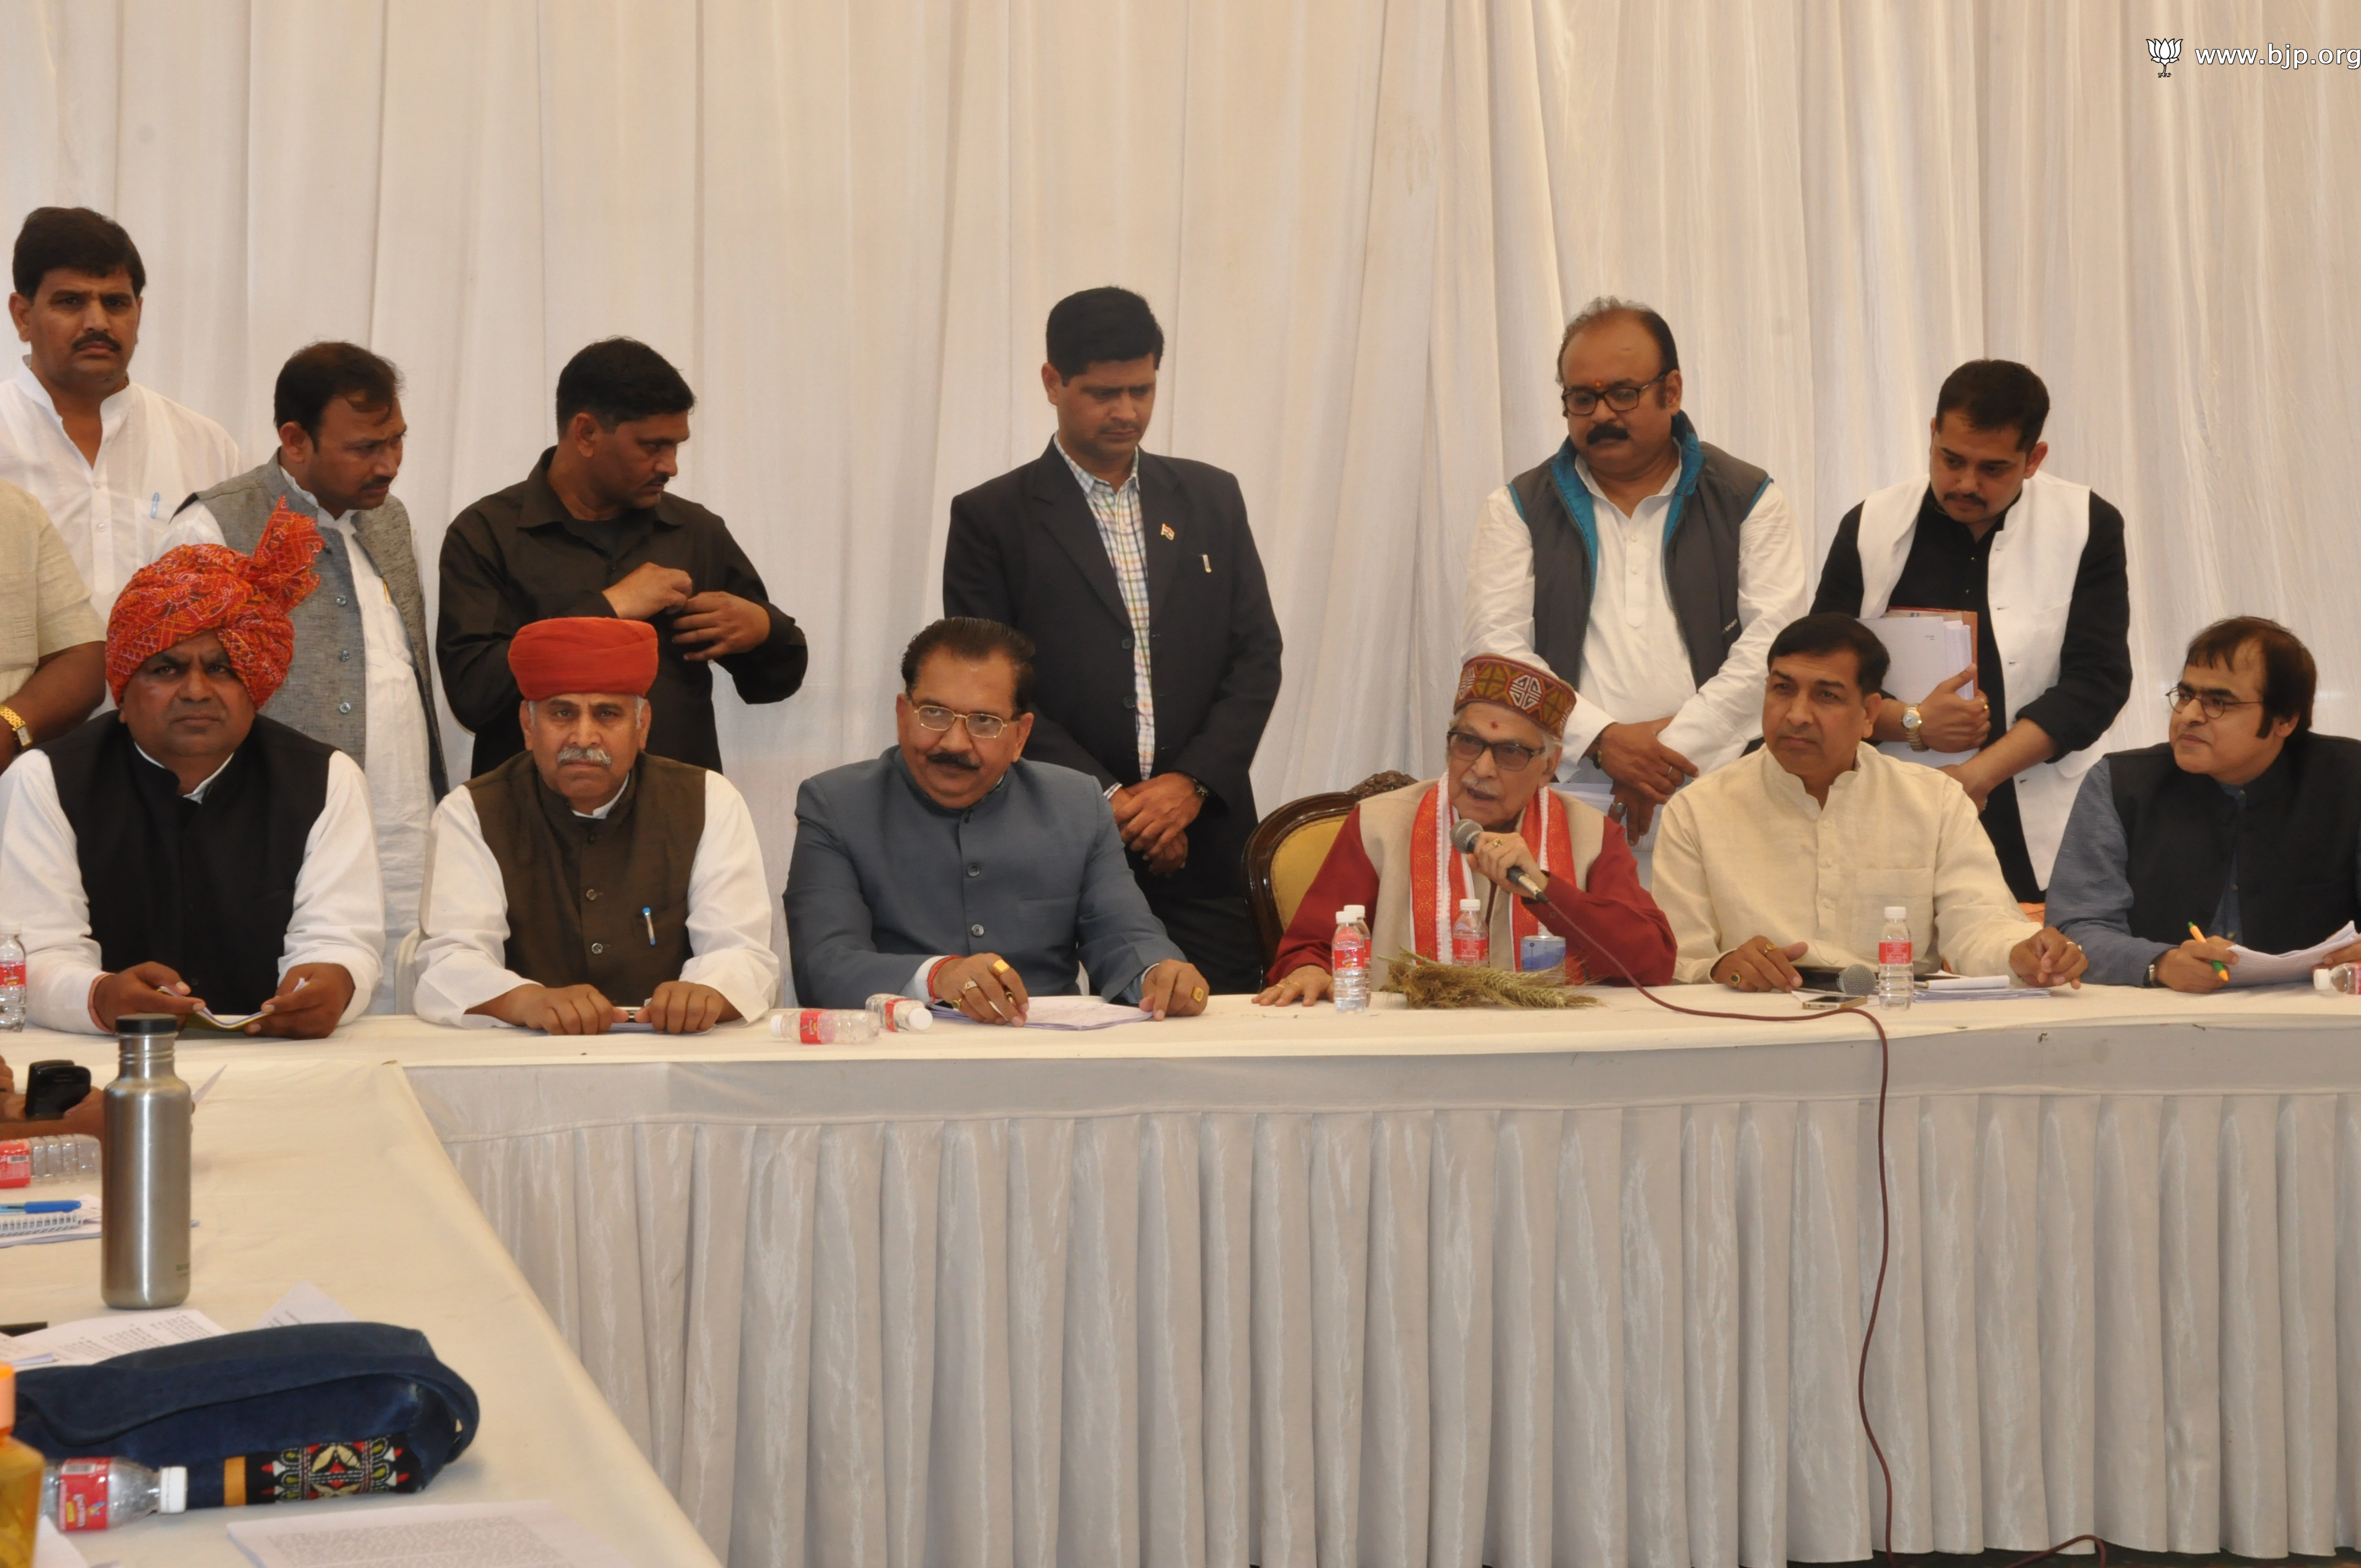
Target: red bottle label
x,y
1349,950
81,1494
807,1027
1893,953
1473,952
12,971
16,1163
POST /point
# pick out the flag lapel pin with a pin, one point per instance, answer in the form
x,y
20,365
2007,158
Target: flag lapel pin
x,y
1167,531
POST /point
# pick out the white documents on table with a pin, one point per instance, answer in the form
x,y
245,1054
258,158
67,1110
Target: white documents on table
x,y
2287,969
426,1535
1927,649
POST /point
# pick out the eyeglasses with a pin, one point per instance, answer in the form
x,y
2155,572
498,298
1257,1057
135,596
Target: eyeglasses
x,y
1509,756
1622,396
2208,703
982,726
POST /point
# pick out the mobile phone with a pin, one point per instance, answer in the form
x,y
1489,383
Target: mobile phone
x,y
54,1088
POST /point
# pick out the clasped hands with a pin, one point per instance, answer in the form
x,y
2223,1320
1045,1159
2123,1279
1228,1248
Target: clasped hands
x,y
713,625
678,1008
1646,771
2046,958
986,988
1154,817
308,1005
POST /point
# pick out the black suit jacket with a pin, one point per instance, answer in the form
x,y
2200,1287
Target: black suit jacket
x,y
1025,550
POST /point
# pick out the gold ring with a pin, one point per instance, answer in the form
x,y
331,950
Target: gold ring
x,y
971,985
1000,965
1198,995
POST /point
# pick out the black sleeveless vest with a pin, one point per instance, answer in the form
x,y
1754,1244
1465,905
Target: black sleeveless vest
x,y
208,889
2296,839
1715,493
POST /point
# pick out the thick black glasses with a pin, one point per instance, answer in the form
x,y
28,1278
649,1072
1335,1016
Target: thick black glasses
x,y
2211,704
1622,396
1508,756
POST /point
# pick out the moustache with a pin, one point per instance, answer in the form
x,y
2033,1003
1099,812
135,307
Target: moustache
x,y
598,754
967,759
1969,500
96,340
1604,433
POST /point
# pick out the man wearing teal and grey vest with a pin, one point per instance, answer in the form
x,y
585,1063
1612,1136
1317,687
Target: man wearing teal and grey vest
x,y
1648,568
361,680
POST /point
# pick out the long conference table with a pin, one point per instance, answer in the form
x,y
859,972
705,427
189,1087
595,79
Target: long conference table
x,y
1577,1288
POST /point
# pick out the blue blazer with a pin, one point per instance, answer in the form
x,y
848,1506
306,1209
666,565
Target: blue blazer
x,y
1035,872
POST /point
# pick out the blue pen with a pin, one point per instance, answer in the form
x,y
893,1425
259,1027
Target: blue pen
x,y
43,1206
648,913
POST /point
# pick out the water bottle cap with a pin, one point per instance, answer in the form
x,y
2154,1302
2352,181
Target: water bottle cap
x,y
1469,905
1895,912
146,1023
173,1487
1349,913
2324,981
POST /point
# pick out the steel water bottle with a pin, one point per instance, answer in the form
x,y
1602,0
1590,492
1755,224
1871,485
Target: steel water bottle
x,y
144,1192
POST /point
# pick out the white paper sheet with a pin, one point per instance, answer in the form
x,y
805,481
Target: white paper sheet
x,y
84,1228
304,1303
87,1340
425,1535
1057,1013
51,1548
1926,651
2287,969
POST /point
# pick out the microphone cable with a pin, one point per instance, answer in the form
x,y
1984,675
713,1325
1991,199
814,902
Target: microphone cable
x,y
1859,1009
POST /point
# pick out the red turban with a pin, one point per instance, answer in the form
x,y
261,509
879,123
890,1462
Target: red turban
x,y
242,599
583,654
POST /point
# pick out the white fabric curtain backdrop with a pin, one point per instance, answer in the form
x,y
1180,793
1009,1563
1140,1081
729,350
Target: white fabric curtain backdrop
x,y
1362,226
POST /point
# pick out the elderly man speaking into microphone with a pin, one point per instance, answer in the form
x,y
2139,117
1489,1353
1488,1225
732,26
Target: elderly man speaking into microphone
x,y
1564,867
584,877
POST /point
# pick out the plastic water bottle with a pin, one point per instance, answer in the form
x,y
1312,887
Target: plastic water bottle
x,y
12,982
1471,944
107,1494
65,1156
899,1014
2344,979
1895,983
826,1026
1348,958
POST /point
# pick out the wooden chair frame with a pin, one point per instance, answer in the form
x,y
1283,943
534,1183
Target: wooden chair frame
x,y
1276,828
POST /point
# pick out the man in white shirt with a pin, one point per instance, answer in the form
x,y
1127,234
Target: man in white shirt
x,y
107,460
587,881
52,648
183,852
361,682
1647,567
1792,855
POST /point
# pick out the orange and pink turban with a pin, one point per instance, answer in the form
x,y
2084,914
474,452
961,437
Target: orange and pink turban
x,y
242,599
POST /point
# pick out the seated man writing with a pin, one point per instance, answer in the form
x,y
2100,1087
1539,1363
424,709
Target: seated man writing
x,y
184,851
950,869
2244,826
586,881
1501,749
1792,855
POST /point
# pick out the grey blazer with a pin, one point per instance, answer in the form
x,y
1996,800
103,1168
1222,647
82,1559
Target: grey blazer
x,y
883,877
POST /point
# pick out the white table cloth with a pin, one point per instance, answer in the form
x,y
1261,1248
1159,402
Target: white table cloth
x,y
1580,1289
314,1163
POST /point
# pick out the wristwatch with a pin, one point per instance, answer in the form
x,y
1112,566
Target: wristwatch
x,y
16,722
2149,979
1913,728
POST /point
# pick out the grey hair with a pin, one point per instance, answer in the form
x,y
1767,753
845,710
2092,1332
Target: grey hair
x,y
1606,306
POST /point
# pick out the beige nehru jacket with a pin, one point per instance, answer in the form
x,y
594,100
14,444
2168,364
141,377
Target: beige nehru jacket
x,y
1744,851
44,607
1389,836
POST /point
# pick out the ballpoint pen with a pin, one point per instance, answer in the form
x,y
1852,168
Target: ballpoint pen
x,y
2219,967
43,1206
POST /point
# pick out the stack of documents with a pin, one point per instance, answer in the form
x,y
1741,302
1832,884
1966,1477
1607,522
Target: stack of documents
x,y
1927,647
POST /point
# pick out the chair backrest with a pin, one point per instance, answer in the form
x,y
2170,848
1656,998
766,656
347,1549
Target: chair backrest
x,y
1288,849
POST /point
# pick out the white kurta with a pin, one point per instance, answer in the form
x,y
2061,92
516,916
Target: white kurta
x,y
463,961
335,920
400,785
1635,667
152,456
1746,852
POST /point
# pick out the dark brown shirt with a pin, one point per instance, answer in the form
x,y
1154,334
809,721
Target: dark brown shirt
x,y
517,557
596,901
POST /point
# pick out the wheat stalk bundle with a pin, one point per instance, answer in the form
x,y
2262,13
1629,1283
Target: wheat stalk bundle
x,y
1427,982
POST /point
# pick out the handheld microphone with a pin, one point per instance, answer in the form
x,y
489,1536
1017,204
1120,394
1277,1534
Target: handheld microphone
x,y
1858,980
1463,835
